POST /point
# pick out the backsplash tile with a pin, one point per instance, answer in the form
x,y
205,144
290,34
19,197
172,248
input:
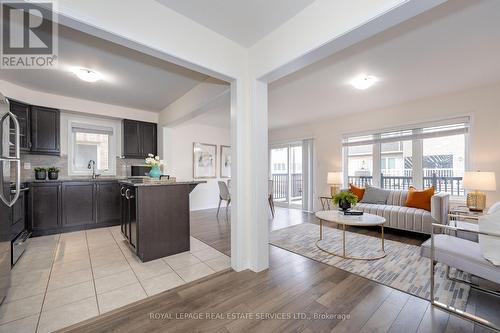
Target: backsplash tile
x,y
61,162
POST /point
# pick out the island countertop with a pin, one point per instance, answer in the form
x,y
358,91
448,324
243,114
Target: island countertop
x,y
143,184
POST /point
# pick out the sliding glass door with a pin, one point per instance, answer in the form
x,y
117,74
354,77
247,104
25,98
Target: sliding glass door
x,y
286,174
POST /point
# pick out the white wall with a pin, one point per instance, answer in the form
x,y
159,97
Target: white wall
x,y
178,152
482,104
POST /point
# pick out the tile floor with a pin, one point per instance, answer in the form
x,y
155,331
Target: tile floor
x,y
67,278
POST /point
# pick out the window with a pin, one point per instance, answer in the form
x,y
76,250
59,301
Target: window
x,y
423,156
91,143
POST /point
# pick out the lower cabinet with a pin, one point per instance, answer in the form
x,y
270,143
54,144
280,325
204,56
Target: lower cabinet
x,y
44,207
78,203
69,206
108,203
129,214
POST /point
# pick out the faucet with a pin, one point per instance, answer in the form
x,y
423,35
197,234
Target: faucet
x,y
92,165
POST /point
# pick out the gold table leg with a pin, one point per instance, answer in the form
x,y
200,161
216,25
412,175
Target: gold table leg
x,y
320,229
343,239
383,245
344,244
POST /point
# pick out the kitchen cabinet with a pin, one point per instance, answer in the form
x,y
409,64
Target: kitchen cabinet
x,y
108,203
128,215
45,133
18,215
63,206
155,218
22,112
139,139
148,138
39,128
44,207
78,203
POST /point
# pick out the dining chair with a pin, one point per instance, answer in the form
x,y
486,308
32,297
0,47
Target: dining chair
x,y
270,196
224,195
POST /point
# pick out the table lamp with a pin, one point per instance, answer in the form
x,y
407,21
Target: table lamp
x,y
334,180
476,182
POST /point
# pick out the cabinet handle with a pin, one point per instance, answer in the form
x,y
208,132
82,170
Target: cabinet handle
x,y
127,194
121,192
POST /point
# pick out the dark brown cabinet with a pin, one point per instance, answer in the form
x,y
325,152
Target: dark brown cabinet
x,y
44,207
22,113
18,215
45,134
108,203
128,214
155,218
73,205
139,139
78,203
39,128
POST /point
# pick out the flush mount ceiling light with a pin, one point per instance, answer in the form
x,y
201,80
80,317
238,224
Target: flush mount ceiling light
x,y
87,75
363,82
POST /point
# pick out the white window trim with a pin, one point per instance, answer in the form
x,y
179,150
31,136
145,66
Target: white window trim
x,y
417,149
74,122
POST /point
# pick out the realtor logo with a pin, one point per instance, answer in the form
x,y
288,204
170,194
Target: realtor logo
x,y
29,34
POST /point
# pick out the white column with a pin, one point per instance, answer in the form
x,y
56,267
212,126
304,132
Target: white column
x,y
249,211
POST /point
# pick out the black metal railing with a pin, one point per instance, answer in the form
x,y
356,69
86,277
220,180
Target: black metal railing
x,y
452,185
281,185
360,181
448,184
296,185
396,182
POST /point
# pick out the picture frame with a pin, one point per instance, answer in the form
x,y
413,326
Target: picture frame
x,y
204,160
225,161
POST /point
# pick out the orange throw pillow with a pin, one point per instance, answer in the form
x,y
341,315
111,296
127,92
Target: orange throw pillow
x,y
357,191
420,199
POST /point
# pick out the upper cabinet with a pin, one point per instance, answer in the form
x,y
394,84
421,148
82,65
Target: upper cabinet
x,y
139,139
39,128
45,133
22,113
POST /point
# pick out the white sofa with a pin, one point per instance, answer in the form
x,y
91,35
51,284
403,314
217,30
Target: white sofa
x,y
398,216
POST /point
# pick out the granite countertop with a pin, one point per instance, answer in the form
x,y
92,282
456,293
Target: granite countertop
x,y
80,179
188,182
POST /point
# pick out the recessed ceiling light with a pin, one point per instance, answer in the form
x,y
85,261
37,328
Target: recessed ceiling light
x,y
363,82
87,75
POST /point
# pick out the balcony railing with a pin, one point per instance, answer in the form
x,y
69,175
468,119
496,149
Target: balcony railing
x,y
447,184
281,185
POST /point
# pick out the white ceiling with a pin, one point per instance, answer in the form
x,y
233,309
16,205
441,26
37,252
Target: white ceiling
x,y
243,21
132,79
453,47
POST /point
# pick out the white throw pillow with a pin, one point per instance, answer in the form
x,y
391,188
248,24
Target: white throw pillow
x,y
495,208
490,245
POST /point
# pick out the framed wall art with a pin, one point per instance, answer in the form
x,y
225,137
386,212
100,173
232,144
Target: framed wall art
x,y
204,160
225,161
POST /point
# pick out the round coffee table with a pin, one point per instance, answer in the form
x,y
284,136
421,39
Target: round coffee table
x,y
338,217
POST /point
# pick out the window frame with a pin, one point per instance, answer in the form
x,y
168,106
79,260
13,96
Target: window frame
x,y
112,142
417,149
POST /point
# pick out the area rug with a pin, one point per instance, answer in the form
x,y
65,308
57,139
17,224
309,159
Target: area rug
x,y
403,268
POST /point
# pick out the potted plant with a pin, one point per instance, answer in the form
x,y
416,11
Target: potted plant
x,y
154,163
345,200
40,173
53,173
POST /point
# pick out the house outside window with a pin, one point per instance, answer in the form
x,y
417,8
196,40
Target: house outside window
x,y
422,156
91,142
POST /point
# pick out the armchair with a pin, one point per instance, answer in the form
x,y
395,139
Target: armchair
x,y
464,255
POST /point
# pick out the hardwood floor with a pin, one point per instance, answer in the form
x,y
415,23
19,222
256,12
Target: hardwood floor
x,y
296,294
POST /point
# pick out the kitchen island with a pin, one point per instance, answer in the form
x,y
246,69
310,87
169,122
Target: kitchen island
x,y
155,217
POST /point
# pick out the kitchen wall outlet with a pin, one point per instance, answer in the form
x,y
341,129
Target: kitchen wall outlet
x,y
27,166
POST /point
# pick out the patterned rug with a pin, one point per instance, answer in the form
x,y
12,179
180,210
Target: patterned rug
x,y
403,268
